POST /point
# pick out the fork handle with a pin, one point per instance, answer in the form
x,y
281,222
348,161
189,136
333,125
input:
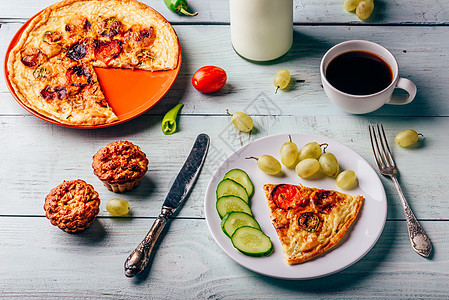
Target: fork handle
x,y
419,239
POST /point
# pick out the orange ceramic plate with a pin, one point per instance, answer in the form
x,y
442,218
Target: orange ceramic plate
x,y
130,93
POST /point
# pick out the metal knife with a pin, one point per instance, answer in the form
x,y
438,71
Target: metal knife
x,y
139,258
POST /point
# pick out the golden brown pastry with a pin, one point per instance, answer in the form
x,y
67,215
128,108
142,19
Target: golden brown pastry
x,y
120,165
309,221
72,205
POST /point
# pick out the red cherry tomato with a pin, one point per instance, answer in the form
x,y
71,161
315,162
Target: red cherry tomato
x,y
209,79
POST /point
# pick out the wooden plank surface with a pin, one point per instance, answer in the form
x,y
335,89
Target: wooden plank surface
x,y
189,265
38,148
305,11
37,260
421,53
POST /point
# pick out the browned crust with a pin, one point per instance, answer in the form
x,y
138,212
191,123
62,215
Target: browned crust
x,y
42,17
283,230
72,205
120,162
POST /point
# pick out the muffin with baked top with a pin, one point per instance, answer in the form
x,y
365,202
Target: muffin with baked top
x,y
72,205
120,165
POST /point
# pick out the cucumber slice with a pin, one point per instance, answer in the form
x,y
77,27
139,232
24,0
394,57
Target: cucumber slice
x,y
252,241
230,187
231,203
241,177
234,220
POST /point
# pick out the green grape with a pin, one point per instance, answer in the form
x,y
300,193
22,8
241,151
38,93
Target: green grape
x,y
364,9
307,167
350,5
241,121
329,164
406,138
289,153
281,79
310,150
117,207
268,164
346,179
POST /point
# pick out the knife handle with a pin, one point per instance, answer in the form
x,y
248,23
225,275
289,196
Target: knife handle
x,y
139,258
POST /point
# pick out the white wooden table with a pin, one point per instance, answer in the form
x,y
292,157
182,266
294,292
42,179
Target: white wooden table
x,y
38,260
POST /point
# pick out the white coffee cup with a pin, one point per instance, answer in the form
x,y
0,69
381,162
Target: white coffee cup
x,y
361,104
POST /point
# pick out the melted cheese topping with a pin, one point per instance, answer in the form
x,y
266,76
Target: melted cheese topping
x,y
336,212
82,31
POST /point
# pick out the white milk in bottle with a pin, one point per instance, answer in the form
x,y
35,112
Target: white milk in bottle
x,y
261,30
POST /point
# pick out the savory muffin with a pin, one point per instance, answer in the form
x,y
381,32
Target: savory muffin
x,y
72,205
120,165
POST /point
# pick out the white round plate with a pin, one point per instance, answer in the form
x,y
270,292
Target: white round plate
x,y
357,241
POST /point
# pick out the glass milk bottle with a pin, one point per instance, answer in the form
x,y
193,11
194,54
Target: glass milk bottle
x,y
261,30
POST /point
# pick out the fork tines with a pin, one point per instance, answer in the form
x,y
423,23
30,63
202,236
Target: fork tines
x,y
382,153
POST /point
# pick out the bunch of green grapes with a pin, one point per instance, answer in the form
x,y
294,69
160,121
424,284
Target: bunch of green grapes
x,y
307,161
363,8
313,158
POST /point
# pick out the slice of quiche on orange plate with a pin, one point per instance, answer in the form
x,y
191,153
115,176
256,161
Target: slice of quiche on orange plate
x,y
51,60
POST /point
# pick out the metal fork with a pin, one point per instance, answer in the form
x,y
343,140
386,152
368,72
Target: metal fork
x,y
387,167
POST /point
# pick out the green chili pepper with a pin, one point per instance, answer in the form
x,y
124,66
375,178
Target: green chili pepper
x,y
179,7
169,120
144,54
309,221
51,37
41,72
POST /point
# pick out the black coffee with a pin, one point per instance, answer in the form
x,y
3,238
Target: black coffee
x,y
359,73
